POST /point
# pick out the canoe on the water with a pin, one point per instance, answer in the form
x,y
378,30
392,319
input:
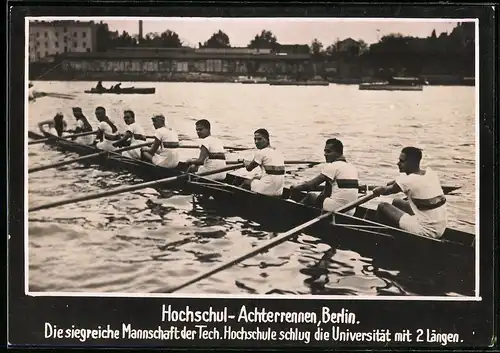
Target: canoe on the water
x,y
127,90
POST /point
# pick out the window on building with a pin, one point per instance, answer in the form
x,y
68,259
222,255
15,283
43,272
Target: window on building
x,y
75,45
65,29
46,53
37,34
84,44
46,45
84,34
56,44
88,50
75,34
65,40
57,34
45,34
38,54
65,49
37,44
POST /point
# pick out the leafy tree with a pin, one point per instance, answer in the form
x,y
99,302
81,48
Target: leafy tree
x,y
316,47
217,40
264,40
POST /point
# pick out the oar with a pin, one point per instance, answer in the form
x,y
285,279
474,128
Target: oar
x,y
129,188
63,137
362,188
197,146
271,243
93,155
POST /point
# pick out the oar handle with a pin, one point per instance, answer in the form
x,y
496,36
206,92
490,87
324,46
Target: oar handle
x,y
286,162
129,188
197,146
89,156
271,243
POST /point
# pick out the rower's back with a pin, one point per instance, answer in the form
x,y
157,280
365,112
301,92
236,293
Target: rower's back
x,y
343,180
167,154
427,200
216,156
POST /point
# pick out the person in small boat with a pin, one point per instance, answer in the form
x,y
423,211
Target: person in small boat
x,y
107,132
165,149
271,163
133,135
212,154
425,211
57,126
340,178
82,125
99,86
117,87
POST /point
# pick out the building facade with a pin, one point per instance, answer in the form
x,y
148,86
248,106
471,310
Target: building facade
x,y
48,39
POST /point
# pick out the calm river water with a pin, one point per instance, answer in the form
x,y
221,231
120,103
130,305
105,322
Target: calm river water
x,y
119,244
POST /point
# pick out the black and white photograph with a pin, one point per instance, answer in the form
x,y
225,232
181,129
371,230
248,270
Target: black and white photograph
x,y
305,158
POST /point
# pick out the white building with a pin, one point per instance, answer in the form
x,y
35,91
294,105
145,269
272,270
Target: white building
x,y
47,39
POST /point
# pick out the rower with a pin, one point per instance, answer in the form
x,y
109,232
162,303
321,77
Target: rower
x,y
107,131
272,164
340,177
82,125
164,151
212,155
99,86
134,135
57,126
425,211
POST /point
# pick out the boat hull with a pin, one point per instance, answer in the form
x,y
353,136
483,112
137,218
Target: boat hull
x,y
123,91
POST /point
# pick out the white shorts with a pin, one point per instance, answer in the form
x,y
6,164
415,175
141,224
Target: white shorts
x,y
267,186
106,145
134,154
331,205
85,140
411,224
165,162
219,177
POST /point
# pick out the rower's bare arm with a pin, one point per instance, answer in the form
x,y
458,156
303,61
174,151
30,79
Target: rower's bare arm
x,y
388,189
125,137
250,165
50,123
311,184
201,159
154,147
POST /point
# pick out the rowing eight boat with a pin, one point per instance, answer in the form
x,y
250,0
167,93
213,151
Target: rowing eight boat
x,y
454,251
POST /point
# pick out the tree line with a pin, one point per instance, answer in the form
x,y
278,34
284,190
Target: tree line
x,y
453,52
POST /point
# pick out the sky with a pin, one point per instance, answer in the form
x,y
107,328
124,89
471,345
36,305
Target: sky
x,y
288,31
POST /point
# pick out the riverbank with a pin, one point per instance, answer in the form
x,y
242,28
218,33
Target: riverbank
x,y
439,80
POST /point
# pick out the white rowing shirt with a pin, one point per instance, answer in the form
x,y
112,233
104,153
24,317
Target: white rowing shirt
x,y
106,145
272,165
106,129
423,190
343,178
167,154
216,157
134,129
86,140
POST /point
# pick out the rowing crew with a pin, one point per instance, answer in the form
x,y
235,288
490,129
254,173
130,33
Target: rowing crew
x,y
424,213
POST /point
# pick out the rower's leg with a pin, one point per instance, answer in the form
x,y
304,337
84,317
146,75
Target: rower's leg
x,y
146,156
389,214
312,199
246,184
403,205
